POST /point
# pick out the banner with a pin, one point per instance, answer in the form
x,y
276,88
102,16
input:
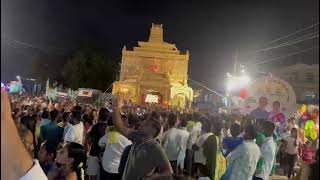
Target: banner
x,y
85,93
15,86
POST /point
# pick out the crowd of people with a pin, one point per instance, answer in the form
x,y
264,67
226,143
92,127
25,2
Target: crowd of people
x,y
130,142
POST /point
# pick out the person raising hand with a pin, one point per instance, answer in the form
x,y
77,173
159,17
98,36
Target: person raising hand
x,y
16,162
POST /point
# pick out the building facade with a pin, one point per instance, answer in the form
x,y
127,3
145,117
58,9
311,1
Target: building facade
x,y
155,69
304,79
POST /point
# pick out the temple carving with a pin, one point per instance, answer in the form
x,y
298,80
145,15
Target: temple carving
x,y
155,70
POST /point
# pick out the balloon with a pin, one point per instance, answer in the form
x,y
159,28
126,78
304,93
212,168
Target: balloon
x,y
303,109
243,93
311,130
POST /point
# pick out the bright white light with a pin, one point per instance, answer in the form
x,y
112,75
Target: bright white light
x,y
2,85
243,71
18,77
237,82
244,79
228,75
230,85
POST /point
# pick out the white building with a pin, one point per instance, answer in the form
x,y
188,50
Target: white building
x,y
304,79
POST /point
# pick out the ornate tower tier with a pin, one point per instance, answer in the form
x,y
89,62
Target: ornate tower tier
x,y
155,69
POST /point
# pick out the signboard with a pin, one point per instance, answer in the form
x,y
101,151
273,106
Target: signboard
x,y
62,97
150,98
85,93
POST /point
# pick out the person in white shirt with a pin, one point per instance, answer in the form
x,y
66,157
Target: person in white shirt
x,y
243,160
199,160
114,143
75,133
268,152
175,143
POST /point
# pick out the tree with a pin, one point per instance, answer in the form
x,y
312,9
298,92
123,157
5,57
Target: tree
x,y
48,66
89,68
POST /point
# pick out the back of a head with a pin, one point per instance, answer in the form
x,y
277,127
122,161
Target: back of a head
x,y
77,113
269,128
54,114
77,152
217,127
87,119
235,130
172,119
65,116
154,119
206,124
155,115
184,121
110,121
250,132
189,117
133,120
103,114
25,119
45,115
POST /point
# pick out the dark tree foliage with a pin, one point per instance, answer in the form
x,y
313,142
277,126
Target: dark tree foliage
x,y
88,67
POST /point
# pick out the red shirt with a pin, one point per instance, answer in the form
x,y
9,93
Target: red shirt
x,y
307,155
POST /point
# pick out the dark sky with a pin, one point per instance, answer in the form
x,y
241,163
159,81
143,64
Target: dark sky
x,y
211,30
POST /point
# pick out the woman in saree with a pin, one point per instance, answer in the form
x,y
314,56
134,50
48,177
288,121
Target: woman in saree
x,y
212,150
277,117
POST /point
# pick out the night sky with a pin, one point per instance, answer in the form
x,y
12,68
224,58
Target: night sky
x,y
211,30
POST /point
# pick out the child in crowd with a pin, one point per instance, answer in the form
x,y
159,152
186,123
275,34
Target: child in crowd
x,y
307,153
292,146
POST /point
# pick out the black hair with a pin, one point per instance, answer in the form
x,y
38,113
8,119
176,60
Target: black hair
x,y
24,120
172,119
154,118
87,118
65,116
251,131
235,130
77,152
45,114
217,127
184,121
51,148
268,128
54,114
276,102
103,114
77,113
206,124
133,120
110,121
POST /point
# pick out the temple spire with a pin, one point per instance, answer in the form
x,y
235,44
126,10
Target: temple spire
x,y
156,33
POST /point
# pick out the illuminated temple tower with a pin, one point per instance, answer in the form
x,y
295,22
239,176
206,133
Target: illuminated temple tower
x,y
155,69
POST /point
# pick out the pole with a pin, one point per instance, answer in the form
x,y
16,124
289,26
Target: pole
x,y
235,65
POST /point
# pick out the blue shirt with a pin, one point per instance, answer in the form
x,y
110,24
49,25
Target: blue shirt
x,y
231,144
260,113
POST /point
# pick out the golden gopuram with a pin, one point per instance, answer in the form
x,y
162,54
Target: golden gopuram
x,y
155,72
